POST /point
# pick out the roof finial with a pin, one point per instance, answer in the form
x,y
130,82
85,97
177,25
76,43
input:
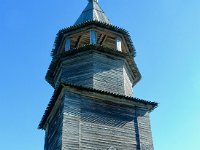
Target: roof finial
x,y
93,1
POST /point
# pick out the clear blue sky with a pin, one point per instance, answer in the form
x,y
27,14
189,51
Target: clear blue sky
x,y
166,34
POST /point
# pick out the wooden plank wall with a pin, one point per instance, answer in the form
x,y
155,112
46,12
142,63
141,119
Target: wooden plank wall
x,y
53,134
108,73
145,133
92,125
71,127
127,82
78,70
99,71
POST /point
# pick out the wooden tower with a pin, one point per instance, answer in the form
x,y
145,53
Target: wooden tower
x,y
93,72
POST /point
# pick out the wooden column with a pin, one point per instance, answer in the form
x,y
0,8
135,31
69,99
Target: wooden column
x,y
118,43
67,44
93,37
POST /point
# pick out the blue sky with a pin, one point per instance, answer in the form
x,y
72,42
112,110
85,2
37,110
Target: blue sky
x,y
166,35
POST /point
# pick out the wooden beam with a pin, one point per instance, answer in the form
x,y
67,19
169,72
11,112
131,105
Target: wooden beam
x,y
103,40
78,41
100,38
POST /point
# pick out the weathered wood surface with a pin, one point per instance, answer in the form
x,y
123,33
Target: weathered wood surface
x,y
145,133
127,81
82,119
103,37
79,122
82,123
97,70
53,134
93,125
108,73
78,70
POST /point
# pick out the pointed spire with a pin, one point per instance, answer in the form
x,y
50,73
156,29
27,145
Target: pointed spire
x,y
93,0
92,12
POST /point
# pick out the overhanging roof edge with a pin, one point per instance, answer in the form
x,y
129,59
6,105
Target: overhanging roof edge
x,y
59,89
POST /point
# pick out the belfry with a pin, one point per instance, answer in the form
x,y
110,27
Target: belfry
x,y
93,72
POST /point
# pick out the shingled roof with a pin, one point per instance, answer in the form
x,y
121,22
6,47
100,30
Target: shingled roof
x,y
57,92
92,12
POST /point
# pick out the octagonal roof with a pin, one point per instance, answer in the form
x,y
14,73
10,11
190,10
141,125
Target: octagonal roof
x,y
93,12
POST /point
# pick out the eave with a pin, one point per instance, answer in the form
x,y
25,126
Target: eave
x,y
58,59
121,99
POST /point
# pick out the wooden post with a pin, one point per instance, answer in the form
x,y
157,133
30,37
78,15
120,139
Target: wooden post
x,y
93,37
67,44
78,41
118,43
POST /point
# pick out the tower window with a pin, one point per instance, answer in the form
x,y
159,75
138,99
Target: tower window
x,y
93,37
118,44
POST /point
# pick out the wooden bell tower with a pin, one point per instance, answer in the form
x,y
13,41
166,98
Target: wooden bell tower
x,y
93,72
